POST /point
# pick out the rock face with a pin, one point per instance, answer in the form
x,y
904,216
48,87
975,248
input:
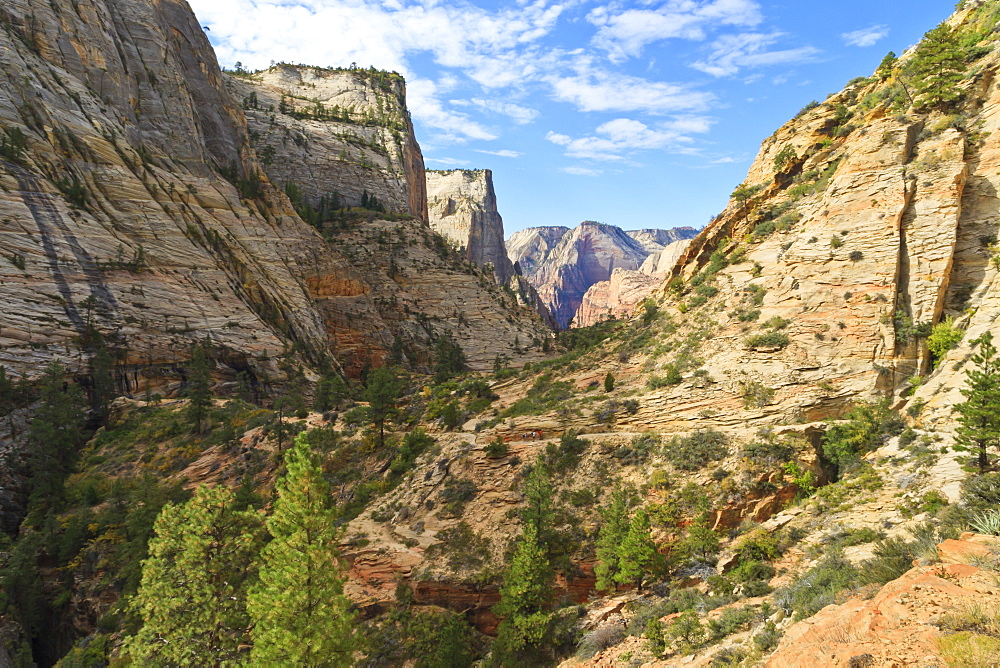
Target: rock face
x,y
618,296
463,207
333,132
656,240
562,264
897,626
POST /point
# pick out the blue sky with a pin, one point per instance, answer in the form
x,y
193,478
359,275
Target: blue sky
x,y
636,113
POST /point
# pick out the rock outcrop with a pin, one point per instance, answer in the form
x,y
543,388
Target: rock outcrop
x,y
618,296
341,134
614,298
562,264
900,625
654,240
463,207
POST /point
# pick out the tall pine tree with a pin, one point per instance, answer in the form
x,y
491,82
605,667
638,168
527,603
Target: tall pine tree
x,y
637,555
614,527
381,392
192,596
300,614
199,389
979,414
525,603
937,67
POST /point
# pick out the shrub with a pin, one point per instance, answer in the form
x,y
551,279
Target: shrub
x,y
982,492
756,395
865,429
777,322
817,588
767,340
836,242
456,493
565,455
497,448
670,376
855,256
692,452
943,337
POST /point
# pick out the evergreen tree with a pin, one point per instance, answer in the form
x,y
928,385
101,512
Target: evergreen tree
x,y
614,528
199,390
8,398
55,435
331,390
525,601
609,382
979,414
300,614
101,374
637,555
381,393
538,509
449,359
937,67
192,596
888,64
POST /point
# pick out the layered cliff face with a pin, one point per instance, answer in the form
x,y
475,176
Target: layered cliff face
x,y
341,134
562,264
463,207
655,241
618,296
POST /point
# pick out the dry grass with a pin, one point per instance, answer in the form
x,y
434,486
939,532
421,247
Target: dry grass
x,y
970,650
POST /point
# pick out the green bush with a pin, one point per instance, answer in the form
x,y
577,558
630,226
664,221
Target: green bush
x,y
768,340
692,452
982,492
671,376
943,337
456,493
866,426
818,587
497,448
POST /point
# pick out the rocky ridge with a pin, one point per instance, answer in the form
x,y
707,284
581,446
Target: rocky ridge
x,y
463,208
335,133
562,264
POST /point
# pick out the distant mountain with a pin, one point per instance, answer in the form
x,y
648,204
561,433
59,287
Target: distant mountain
x,y
563,263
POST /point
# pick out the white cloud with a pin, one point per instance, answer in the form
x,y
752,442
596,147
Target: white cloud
x,y
447,162
517,113
502,153
624,33
455,127
582,171
865,36
613,140
731,53
592,89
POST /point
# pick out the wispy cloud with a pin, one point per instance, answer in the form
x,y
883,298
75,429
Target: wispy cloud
x,y
517,113
582,171
447,162
732,53
614,140
502,153
454,126
592,89
865,36
624,33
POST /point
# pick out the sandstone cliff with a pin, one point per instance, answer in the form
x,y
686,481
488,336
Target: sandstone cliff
x,y
618,296
562,264
340,134
463,207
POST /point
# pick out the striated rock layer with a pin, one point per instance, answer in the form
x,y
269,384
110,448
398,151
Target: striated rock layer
x,y
332,132
463,207
562,264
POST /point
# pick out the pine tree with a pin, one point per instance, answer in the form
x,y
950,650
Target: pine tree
x,y
937,67
637,555
979,414
381,393
300,614
55,435
192,596
609,382
538,509
525,600
449,359
888,64
614,528
199,390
